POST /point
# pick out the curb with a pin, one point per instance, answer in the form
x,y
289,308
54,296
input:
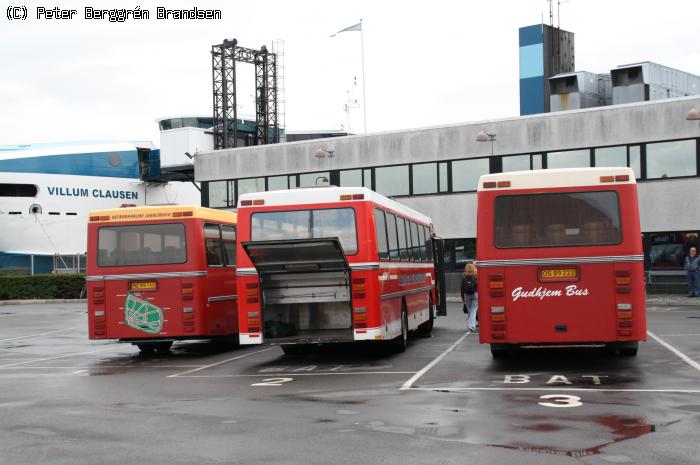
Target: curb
x,y
42,301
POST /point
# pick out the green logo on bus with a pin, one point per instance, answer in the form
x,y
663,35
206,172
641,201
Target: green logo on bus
x,y
142,315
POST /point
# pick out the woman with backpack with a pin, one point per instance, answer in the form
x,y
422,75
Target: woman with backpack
x,y
470,297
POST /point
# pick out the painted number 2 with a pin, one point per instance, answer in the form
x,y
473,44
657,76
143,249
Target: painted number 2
x,y
273,382
561,400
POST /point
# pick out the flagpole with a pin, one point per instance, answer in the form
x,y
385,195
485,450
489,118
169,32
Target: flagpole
x,y
364,82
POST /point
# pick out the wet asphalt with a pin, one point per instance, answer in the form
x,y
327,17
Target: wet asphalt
x,y
67,400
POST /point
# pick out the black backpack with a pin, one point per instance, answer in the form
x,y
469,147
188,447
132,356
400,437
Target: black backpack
x,y
470,284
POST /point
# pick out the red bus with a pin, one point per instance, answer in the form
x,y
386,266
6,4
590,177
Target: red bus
x,y
560,260
160,274
333,264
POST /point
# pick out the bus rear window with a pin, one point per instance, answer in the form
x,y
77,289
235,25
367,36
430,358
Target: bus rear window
x,y
557,220
307,224
142,244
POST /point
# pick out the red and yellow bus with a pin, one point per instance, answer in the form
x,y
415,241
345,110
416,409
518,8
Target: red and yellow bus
x,y
161,274
333,264
560,259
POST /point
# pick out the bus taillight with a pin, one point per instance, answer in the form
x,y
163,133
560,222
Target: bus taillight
x,y
623,279
496,285
188,319
98,295
358,288
252,292
99,323
254,322
360,317
186,291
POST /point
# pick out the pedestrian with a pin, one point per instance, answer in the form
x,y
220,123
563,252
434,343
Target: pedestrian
x,y
470,296
691,265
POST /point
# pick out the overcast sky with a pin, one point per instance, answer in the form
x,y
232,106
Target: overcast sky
x,y
427,62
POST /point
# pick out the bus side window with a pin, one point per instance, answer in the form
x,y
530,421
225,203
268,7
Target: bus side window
x,y
228,235
380,227
421,236
403,246
393,238
415,241
428,244
212,243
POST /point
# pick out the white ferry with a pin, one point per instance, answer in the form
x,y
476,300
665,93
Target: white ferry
x,y
47,190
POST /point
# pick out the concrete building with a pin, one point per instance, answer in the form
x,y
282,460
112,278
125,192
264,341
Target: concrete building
x,y
435,170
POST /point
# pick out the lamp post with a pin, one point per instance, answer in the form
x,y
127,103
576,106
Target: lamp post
x,y
323,153
693,115
486,137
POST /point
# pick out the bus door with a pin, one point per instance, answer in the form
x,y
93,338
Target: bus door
x,y
304,289
440,289
219,245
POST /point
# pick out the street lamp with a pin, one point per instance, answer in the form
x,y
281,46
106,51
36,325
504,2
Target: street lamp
x,y
486,137
693,115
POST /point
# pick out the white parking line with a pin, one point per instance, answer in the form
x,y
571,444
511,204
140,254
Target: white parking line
x,y
555,389
267,375
680,354
680,335
417,376
36,335
54,358
177,375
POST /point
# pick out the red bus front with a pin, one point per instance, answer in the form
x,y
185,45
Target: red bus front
x,y
160,274
560,259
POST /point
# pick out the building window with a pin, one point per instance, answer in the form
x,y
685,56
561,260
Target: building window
x,y
391,180
367,176
246,186
516,163
277,183
668,250
569,159
536,161
351,178
425,178
611,156
671,159
636,160
466,173
444,178
314,179
218,194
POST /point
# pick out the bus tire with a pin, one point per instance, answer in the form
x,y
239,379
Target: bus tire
x,y
629,350
400,343
426,328
146,348
163,347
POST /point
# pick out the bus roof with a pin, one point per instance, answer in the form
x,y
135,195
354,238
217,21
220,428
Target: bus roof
x,y
161,212
316,195
561,177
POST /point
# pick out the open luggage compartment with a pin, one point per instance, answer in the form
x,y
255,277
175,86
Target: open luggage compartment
x,y
305,287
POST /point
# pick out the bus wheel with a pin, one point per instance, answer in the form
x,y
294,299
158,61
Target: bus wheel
x,y
401,342
146,349
163,347
629,350
426,328
499,351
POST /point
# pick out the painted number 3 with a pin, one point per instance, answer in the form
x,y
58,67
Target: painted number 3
x,y
561,400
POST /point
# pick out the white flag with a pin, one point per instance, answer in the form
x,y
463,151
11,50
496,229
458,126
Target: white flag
x,y
354,27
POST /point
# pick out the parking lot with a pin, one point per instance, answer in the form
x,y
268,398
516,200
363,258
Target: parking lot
x,y
69,400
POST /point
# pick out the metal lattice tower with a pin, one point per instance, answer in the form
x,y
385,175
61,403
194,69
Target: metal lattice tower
x,y
224,58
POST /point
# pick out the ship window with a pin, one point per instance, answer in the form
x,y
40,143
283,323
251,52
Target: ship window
x,y
18,190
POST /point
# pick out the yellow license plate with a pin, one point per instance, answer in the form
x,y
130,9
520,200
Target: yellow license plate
x,y
143,286
558,274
